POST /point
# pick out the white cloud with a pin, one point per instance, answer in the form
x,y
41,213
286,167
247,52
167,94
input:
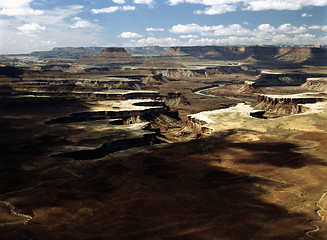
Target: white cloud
x,y
150,41
175,2
112,9
202,41
150,29
81,24
119,1
237,34
18,8
261,5
14,3
31,28
219,30
288,28
266,28
223,6
189,28
317,27
129,35
60,26
128,8
217,9
189,36
76,18
314,27
306,15
233,29
305,36
105,10
20,11
150,3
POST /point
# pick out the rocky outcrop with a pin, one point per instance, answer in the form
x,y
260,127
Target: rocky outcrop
x,y
286,104
112,52
249,88
199,126
111,147
79,50
146,51
155,79
266,79
180,73
111,56
210,71
210,52
175,99
307,55
316,84
101,115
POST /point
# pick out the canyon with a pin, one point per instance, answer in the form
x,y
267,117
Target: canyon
x,y
214,142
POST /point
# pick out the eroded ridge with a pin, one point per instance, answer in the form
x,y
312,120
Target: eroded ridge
x,y
9,215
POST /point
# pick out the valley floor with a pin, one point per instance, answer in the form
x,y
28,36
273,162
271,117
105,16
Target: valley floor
x,y
246,178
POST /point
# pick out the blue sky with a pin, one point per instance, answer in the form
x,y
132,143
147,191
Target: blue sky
x,y
30,25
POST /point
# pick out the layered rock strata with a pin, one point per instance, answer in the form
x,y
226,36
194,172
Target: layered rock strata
x,y
269,78
297,55
209,71
316,84
112,52
287,104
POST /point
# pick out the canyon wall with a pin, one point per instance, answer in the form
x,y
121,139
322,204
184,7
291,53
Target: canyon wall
x,y
266,79
287,104
316,84
298,55
210,71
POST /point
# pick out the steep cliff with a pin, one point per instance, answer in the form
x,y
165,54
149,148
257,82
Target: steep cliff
x,y
211,52
111,52
267,78
68,52
294,55
210,71
109,55
286,104
316,84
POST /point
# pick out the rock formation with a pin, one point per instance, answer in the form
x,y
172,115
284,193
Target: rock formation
x,y
249,88
316,84
109,55
205,72
286,104
79,50
112,52
175,99
146,51
294,55
68,52
267,78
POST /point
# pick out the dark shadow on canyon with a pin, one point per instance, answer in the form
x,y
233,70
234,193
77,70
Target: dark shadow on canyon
x,y
168,192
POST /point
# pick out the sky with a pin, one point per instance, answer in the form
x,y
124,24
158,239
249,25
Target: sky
x,y
32,25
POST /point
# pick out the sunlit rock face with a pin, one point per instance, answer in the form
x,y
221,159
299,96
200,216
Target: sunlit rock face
x,y
287,104
317,84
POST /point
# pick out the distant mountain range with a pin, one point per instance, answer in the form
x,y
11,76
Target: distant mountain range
x,y
76,53
269,54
